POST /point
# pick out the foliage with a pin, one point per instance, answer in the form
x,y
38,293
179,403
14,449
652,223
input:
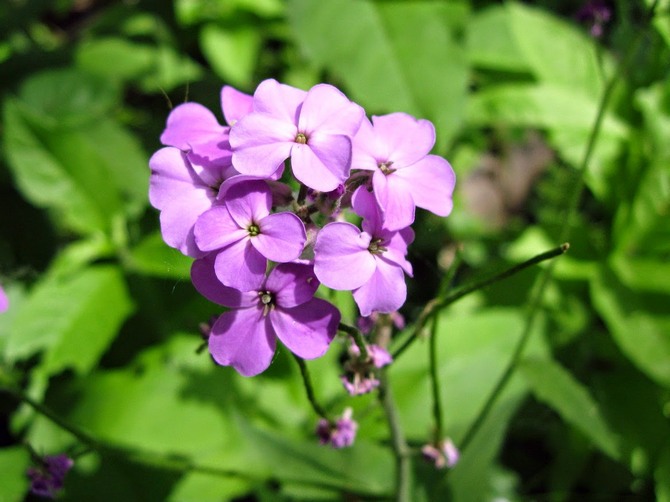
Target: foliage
x,y
555,136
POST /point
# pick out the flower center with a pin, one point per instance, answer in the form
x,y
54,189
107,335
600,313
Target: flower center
x,y
376,247
301,138
253,230
385,167
268,301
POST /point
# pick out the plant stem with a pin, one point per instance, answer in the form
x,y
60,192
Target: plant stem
x,y
434,306
435,383
309,389
400,448
358,338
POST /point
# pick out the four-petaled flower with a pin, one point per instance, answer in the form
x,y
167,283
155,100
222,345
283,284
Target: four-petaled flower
x,y
244,235
313,129
371,263
340,433
396,148
282,307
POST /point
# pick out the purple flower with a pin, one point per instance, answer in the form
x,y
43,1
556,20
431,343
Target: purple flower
x,y
597,14
282,307
338,434
367,324
313,129
371,263
47,480
4,301
181,193
396,149
444,455
360,377
244,235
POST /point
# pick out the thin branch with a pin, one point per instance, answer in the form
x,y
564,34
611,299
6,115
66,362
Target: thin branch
x,y
435,383
358,339
309,389
436,304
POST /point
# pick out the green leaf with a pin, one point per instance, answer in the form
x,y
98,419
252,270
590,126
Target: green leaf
x,y
66,98
391,56
153,257
115,58
232,52
557,51
14,462
641,335
557,388
73,318
87,173
491,42
661,476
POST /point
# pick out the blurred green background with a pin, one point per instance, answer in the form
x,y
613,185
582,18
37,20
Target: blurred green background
x,y
103,321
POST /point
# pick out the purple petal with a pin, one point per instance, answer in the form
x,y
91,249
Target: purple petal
x,y
216,229
386,290
205,282
248,202
4,301
329,111
323,163
406,139
235,104
365,205
191,123
282,237
279,100
180,195
367,151
431,182
307,329
243,339
395,199
341,257
292,283
240,266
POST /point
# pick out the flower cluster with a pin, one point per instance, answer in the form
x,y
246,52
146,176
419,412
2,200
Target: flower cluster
x,y
340,433
47,480
260,205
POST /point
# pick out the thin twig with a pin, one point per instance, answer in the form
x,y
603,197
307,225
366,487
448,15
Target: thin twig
x,y
309,389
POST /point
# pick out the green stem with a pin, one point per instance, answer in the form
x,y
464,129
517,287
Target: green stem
x,y
358,339
400,448
436,304
435,383
309,389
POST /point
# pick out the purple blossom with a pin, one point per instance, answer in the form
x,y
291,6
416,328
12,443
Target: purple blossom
x,y
47,479
282,307
371,263
396,148
597,14
338,434
366,324
244,235
313,129
443,455
360,375
4,301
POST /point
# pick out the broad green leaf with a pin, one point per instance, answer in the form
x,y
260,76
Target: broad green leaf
x,y
196,11
643,336
491,43
73,318
556,387
232,52
391,56
153,257
556,50
67,98
170,69
642,274
87,173
661,476
202,487
14,462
